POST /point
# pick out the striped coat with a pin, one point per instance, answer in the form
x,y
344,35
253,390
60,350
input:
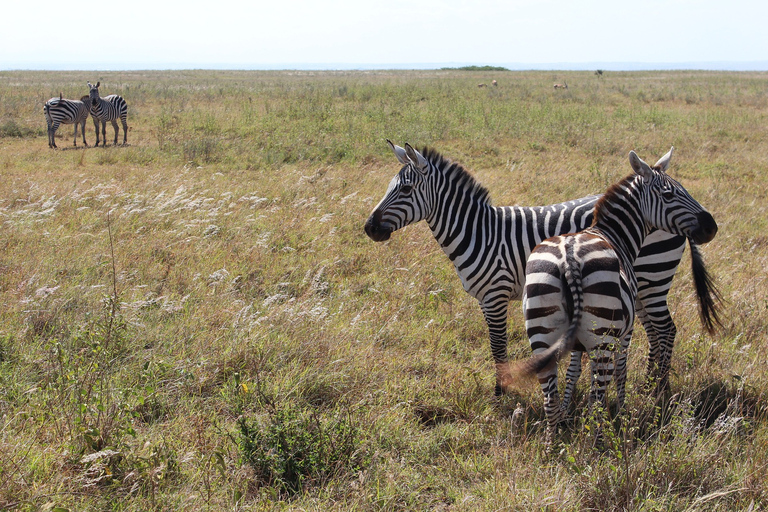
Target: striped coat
x,y
109,108
489,245
581,288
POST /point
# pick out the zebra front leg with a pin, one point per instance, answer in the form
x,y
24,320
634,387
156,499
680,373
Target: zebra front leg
x,y
103,133
571,377
661,331
96,127
667,343
75,141
495,313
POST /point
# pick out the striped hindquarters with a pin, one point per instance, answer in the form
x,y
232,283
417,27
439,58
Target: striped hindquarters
x,y
62,111
573,297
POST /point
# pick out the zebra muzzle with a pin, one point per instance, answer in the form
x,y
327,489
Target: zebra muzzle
x,y
706,230
375,230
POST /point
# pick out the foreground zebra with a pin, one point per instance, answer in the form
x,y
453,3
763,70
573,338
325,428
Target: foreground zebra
x,y
108,108
580,289
61,111
489,247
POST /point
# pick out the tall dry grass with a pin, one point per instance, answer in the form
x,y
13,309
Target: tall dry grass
x,y
175,308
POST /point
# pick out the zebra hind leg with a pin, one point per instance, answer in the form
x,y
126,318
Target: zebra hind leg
x,y
571,377
602,362
495,314
82,129
552,409
125,131
117,129
620,374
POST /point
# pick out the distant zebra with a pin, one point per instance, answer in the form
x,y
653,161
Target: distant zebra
x,y
580,289
108,108
60,111
489,247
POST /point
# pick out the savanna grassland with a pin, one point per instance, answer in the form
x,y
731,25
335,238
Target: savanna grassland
x,y
197,321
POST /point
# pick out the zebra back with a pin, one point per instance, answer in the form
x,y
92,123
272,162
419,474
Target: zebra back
x,y
64,111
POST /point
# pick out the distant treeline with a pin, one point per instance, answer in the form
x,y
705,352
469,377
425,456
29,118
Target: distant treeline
x,y
478,68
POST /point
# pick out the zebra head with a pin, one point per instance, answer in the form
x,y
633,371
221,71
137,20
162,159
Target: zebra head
x,y
94,93
407,199
668,206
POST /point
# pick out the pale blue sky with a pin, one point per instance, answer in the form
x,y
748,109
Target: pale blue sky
x,y
144,34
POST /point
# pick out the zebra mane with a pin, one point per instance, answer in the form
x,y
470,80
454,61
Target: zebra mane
x,y
611,194
456,172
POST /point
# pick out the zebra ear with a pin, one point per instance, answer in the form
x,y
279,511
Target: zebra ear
x,y
641,168
98,84
416,158
663,162
399,153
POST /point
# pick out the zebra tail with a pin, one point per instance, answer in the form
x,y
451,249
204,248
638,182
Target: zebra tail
x,y
709,297
551,356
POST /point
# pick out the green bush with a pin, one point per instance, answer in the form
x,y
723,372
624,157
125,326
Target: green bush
x,y
297,449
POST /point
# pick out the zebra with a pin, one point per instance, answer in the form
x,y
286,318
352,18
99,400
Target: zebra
x,y
490,245
60,111
108,108
580,288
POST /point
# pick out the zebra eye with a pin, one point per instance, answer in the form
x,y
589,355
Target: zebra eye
x,y
406,189
668,194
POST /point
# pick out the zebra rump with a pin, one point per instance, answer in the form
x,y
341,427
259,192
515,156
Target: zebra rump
x,y
63,111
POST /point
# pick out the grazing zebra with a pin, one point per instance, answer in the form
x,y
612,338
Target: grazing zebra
x,y
490,245
60,111
108,108
580,288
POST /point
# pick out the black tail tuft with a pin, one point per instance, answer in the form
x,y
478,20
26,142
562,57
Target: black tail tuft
x,y
709,297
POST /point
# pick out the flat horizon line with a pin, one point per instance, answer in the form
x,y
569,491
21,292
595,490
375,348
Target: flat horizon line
x,y
511,66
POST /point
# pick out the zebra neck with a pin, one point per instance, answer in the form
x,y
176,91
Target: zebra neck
x,y
626,239
457,222
619,219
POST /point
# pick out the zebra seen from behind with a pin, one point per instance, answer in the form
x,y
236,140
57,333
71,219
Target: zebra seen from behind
x,y
108,108
62,111
489,247
580,289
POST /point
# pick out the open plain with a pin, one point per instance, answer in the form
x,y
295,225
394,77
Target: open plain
x,y
197,321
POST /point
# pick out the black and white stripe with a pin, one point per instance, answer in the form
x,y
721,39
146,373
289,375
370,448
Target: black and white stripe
x,y
62,111
489,245
581,288
109,108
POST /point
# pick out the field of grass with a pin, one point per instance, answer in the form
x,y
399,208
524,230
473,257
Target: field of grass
x,y
197,321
